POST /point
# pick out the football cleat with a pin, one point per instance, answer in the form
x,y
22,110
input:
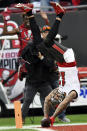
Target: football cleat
x,y
24,7
64,119
57,7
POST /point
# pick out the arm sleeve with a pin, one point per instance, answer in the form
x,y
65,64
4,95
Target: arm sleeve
x,y
52,34
69,56
35,31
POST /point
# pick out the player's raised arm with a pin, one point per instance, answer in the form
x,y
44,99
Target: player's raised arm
x,y
45,17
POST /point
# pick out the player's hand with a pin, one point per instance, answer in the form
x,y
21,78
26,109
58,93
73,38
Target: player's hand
x,y
44,15
6,14
6,17
40,56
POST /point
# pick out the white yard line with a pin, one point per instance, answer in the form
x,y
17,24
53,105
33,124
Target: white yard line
x,y
38,127
70,124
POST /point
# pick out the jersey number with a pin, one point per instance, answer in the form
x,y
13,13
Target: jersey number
x,y
62,78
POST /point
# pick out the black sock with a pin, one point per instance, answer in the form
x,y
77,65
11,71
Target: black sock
x,y
60,15
29,13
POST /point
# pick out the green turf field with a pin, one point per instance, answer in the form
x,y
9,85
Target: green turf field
x,y
4,122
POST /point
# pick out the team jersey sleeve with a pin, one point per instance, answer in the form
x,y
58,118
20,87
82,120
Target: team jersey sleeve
x,y
69,56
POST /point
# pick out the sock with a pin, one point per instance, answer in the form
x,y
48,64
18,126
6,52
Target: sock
x,y
60,15
29,13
